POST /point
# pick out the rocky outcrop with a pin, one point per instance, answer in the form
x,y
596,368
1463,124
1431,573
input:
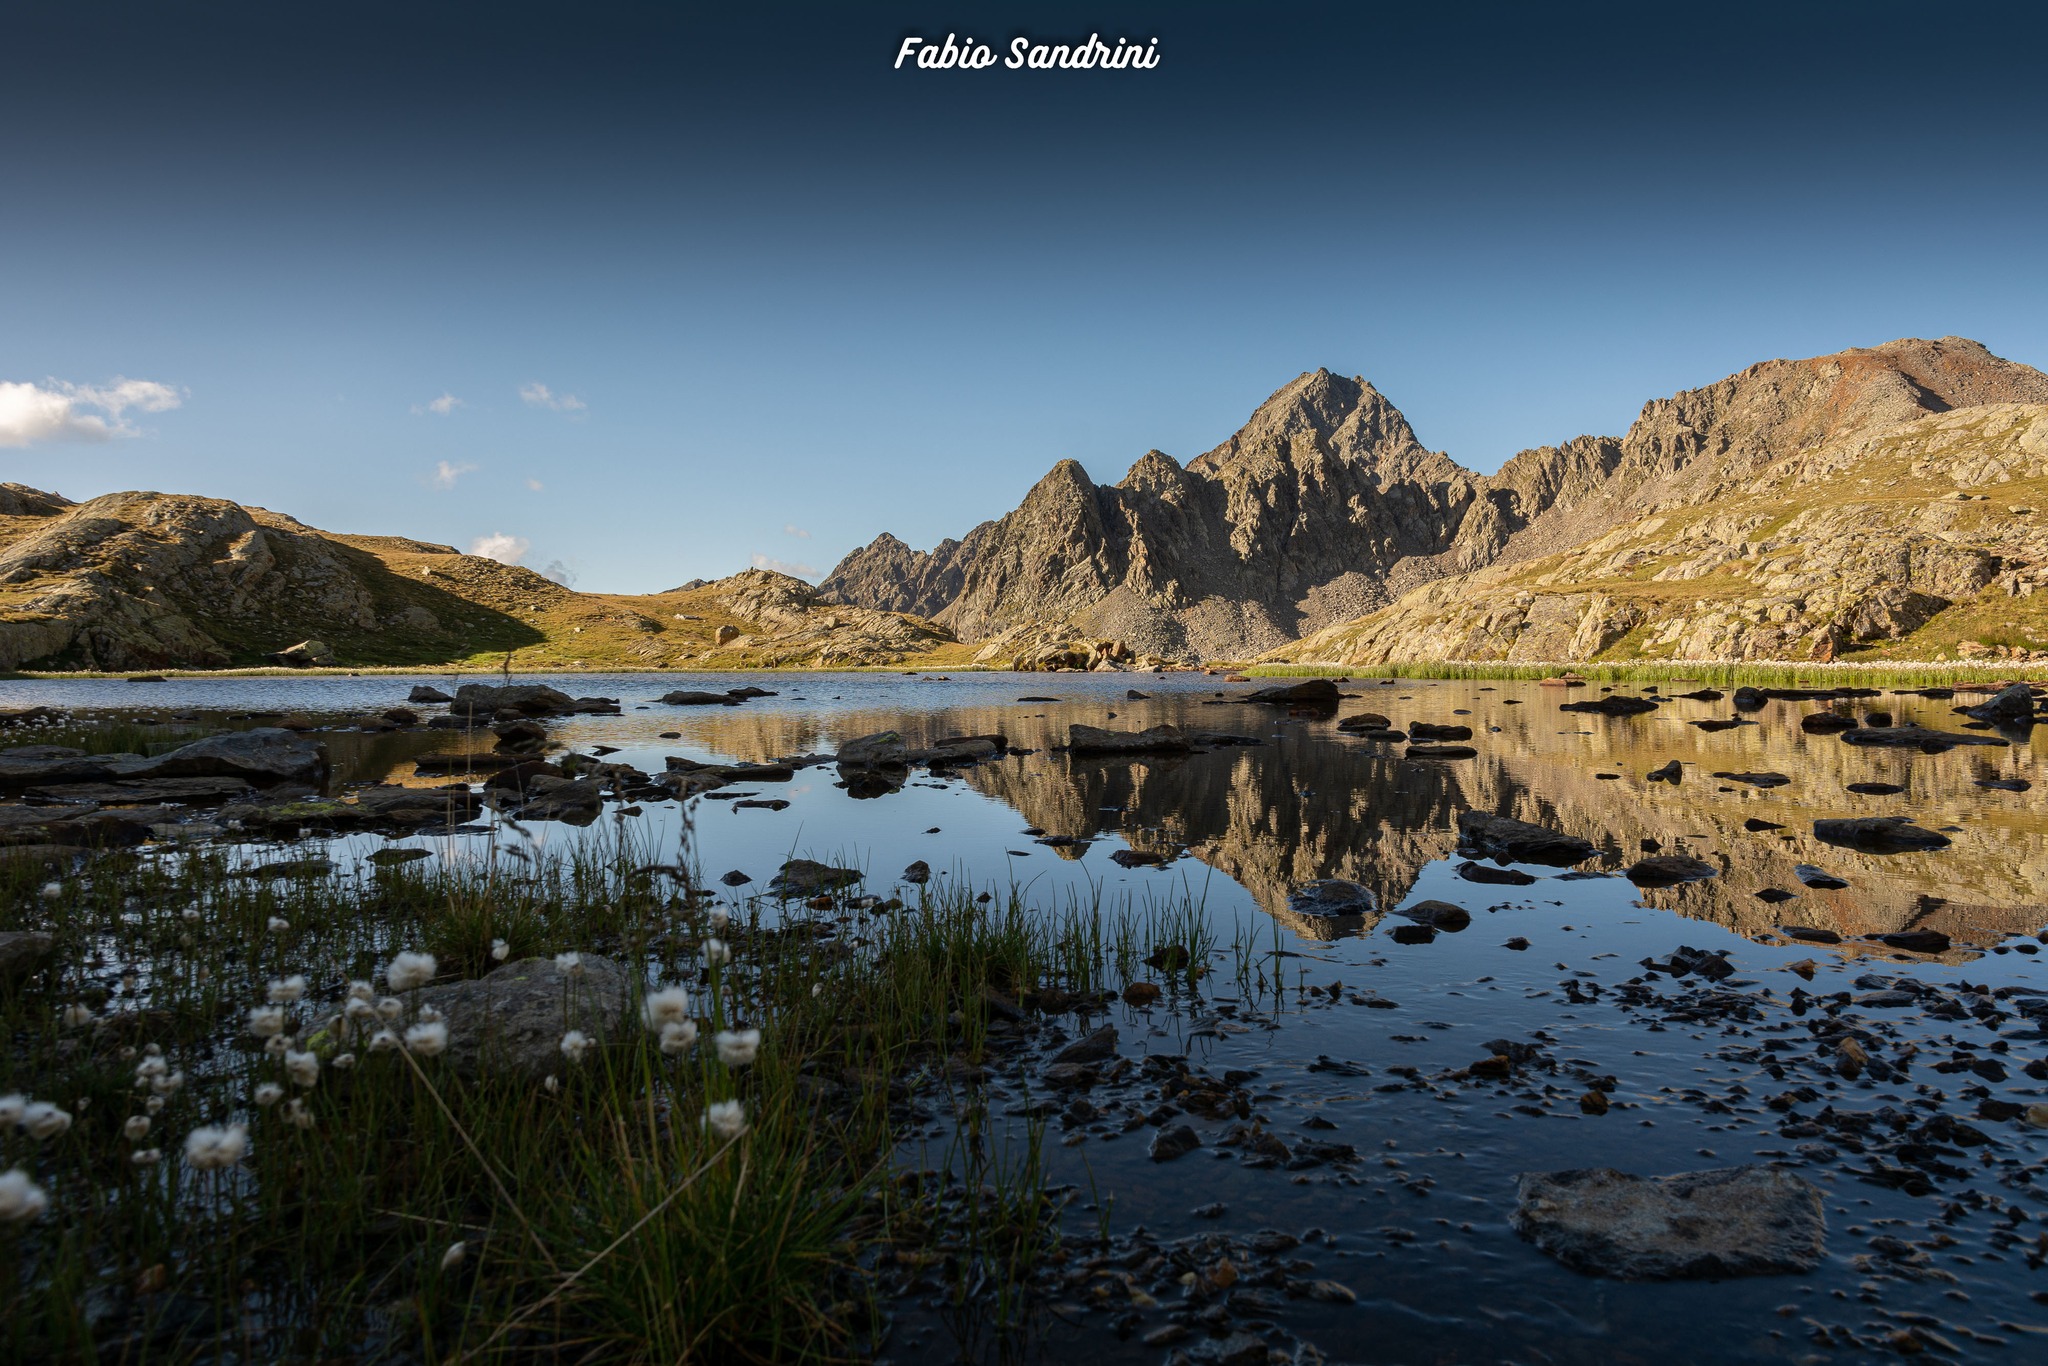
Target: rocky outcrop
x,y
1324,516
153,581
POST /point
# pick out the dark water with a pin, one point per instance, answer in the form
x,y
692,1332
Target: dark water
x,y
1418,1226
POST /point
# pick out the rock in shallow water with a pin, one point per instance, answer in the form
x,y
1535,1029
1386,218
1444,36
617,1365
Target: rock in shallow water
x,y
1728,1221
1510,840
1332,897
1668,870
1878,835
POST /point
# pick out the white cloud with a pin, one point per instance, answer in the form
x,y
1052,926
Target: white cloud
x,y
57,411
795,571
792,529
439,407
535,485
540,396
500,547
561,572
445,474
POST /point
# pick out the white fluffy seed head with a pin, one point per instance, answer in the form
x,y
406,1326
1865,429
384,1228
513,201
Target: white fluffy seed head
x,y
42,1120
277,924
453,1256
575,1044
266,1022
212,1147
269,1094
361,991
716,954
11,1108
678,1036
383,1041
738,1047
427,1039
570,963
500,951
390,1008
302,1068
20,1198
670,1005
409,970
146,1157
136,1128
77,1015
725,1120
287,989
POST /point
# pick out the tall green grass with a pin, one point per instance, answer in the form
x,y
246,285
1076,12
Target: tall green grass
x,y
598,1217
1718,673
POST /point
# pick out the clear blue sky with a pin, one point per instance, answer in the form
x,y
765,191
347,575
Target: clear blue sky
x,y
795,291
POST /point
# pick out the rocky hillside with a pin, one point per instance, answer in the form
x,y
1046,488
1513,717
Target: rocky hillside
x,y
151,581
1325,509
1883,503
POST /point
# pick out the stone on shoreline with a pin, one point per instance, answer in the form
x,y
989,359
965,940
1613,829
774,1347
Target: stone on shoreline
x,y
510,1022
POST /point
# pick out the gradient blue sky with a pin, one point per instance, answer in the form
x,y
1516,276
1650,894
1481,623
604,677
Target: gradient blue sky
x,y
796,291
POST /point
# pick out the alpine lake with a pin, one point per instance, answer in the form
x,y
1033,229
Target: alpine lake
x,y
1286,1097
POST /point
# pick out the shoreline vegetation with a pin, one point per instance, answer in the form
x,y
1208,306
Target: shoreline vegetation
x,y
243,1120
1727,672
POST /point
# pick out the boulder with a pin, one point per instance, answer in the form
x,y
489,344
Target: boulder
x,y
1615,705
1666,773
1879,835
1332,897
1099,1046
1513,841
23,951
1096,740
510,1022
265,755
1915,737
572,801
883,749
1365,720
1724,1222
1826,723
2013,706
1438,915
1424,730
521,737
1313,692
525,699
1668,870
422,693
307,654
1174,1141
1916,941
693,697
803,878
1440,752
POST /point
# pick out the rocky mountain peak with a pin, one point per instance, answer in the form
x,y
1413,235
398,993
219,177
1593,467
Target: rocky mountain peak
x,y
1346,418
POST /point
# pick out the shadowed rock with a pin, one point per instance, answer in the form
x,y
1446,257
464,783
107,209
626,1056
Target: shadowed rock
x,y
511,1021
1878,835
1729,1221
1096,740
1513,841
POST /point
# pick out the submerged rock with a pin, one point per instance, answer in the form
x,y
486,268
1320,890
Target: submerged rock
x,y
883,749
1616,705
804,878
1915,737
1424,730
1514,841
1332,897
1668,870
1096,740
1438,915
1175,1141
1729,1221
1878,835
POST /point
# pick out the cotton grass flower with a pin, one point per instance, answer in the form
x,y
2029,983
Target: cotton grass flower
x,y
678,1036
11,1109
266,1022
719,918
136,1128
361,991
277,1045
427,1040
269,1094
343,1061
146,1157
214,1147
20,1198
168,1084
42,1120
390,1008
287,989
716,954
277,924
297,1115
737,1047
725,1120
77,1015
571,964
575,1044
302,1068
383,1041
500,951
452,1258
409,970
670,1005
52,890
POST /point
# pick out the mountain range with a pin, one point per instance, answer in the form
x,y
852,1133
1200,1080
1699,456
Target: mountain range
x,y
1889,502
1876,499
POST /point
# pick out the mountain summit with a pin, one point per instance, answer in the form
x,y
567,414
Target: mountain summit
x,y
1325,508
